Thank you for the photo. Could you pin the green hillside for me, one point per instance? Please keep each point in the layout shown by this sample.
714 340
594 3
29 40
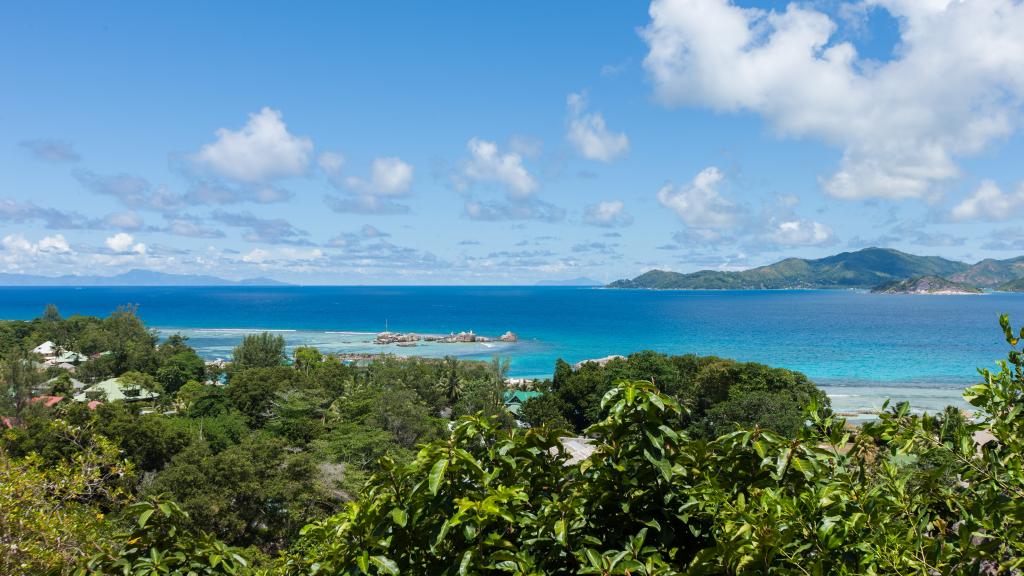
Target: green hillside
990 273
925 285
1011 286
861 269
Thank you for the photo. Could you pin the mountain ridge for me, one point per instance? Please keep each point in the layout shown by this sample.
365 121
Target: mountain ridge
865 268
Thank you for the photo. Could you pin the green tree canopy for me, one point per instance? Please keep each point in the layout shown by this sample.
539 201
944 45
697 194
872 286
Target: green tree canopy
263 350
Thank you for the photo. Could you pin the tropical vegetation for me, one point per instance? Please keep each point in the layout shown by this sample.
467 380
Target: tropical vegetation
298 463
866 268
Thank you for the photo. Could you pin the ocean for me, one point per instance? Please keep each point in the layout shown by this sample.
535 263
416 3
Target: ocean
861 348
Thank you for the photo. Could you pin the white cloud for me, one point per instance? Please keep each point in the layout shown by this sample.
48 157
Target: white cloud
256 256
123 243
259 256
388 177
301 254
608 214
19 245
799 233
954 85
699 205
589 134
56 244
488 164
988 202
262 150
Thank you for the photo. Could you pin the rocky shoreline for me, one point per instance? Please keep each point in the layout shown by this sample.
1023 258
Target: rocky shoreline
412 338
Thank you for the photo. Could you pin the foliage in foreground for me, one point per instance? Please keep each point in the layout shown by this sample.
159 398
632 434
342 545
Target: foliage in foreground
51 515
906 495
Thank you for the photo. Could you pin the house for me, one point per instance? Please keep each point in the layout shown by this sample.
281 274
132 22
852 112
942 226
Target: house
76 384
514 399
115 390
69 358
46 349
47 401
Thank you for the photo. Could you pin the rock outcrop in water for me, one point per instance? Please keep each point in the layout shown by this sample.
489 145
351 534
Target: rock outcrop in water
925 285
411 338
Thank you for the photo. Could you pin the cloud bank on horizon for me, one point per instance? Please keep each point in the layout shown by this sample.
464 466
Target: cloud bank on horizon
697 134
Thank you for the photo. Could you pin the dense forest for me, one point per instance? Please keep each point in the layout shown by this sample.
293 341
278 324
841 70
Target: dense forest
302 463
865 268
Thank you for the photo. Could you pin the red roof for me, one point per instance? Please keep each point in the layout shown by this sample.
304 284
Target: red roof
93 404
48 401
8 422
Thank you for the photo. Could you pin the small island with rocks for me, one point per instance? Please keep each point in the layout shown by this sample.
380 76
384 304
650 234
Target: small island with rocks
406 339
925 285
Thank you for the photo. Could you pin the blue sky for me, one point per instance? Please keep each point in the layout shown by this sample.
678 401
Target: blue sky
504 143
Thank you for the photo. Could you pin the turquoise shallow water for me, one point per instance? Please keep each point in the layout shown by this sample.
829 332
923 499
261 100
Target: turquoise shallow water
860 347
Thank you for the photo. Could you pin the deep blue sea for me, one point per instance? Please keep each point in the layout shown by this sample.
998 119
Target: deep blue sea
860 347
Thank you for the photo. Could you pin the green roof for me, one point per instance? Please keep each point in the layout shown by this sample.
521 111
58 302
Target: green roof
113 390
514 399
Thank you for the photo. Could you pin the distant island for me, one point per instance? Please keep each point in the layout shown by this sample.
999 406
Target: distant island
926 285
132 278
864 269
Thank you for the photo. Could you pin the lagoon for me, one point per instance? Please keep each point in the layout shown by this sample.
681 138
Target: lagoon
861 348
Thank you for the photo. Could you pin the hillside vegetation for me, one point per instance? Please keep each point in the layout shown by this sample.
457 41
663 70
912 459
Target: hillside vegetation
307 466
865 268
925 285
220 467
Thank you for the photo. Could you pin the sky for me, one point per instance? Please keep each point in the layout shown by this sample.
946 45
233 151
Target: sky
504 142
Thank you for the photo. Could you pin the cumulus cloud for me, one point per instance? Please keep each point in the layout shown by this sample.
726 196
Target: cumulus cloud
257 256
18 244
954 85
123 243
51 150
282 255
799 233
589 134
989 202
699 204
488 164
262 150
608 214
388 177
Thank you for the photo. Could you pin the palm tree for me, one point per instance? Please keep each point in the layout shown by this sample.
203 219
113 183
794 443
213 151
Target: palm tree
450 383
